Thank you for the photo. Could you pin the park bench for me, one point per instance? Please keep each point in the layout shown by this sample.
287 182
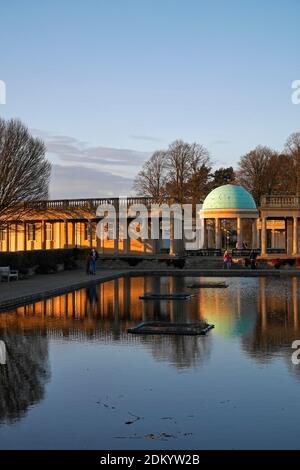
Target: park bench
7 274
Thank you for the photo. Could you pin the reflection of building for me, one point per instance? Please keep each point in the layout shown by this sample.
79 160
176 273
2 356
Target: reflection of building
105 311
277 324
262 313
181 352
229 214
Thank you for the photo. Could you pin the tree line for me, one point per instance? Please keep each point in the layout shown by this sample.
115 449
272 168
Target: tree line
185 172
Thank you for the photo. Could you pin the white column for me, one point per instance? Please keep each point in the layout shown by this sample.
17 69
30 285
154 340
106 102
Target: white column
263 236
90 225
295 235
218 233
25 236
172 242
8 237
254 235
205 235
239 230
273 243
16 236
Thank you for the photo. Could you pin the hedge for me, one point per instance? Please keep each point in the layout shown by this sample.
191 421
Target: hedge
42 261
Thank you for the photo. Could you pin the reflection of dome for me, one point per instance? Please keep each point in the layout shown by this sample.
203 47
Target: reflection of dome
229 196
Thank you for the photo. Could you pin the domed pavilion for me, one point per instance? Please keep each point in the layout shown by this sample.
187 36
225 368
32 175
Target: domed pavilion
229 203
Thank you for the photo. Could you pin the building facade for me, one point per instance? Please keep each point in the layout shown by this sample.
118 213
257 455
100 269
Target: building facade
229 219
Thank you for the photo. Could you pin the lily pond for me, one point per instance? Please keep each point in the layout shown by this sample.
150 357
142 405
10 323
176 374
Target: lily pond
71 377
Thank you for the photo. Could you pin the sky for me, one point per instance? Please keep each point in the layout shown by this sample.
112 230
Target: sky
107 82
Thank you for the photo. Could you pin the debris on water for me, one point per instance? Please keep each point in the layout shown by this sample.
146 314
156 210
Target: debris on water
136 418
160 436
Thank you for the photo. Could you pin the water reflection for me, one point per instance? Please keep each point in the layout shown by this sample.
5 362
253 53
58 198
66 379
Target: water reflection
24 370
217 388
262 312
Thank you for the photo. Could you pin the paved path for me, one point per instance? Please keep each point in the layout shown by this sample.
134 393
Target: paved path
38 287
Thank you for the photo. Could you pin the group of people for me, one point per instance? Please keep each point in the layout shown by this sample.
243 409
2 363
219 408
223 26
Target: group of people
227 259
91 262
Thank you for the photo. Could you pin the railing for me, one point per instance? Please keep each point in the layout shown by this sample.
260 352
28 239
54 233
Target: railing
244 253
205 252
90 203
285 201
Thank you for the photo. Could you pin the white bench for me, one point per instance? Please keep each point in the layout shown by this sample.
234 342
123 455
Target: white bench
7 273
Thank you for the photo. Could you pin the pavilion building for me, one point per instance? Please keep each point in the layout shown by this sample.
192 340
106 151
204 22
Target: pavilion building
230 219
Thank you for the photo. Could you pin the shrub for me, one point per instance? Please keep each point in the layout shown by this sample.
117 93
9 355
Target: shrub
42 261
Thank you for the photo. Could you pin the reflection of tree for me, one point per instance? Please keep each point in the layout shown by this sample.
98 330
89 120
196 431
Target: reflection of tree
23 378
180 351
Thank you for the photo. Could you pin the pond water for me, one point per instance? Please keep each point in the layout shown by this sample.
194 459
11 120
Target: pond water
72 378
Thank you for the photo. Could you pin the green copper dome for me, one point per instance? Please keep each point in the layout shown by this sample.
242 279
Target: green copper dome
229 196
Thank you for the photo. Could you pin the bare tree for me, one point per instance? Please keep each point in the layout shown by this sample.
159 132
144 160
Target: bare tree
198 182
188 171
24 169
179 169
259 171
181 172
292 149
151 180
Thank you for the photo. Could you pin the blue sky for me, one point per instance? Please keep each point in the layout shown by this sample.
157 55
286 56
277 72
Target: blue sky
105 83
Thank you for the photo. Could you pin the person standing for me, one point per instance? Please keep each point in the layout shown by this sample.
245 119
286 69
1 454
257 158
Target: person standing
93 258
252 257
226 260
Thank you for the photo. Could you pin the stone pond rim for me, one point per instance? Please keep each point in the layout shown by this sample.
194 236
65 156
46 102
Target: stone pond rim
229 196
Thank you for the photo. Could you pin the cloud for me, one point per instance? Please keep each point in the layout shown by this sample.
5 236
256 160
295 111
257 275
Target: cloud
81 170
79 182
68 149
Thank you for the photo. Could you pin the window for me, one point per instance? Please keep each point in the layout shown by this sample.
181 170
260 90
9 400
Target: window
49 232
31 232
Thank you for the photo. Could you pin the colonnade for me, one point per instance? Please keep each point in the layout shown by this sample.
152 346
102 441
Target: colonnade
239 230
69 233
